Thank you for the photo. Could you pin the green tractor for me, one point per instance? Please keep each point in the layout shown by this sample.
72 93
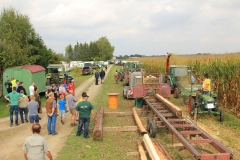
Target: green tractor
200 103
56 75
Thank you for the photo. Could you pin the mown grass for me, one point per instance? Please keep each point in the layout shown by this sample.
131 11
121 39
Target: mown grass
4 108
113 145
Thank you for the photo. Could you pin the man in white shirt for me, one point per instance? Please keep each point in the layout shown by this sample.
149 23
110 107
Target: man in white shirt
31 89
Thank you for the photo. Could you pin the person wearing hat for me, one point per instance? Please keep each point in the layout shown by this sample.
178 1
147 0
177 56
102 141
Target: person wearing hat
86 111
23 104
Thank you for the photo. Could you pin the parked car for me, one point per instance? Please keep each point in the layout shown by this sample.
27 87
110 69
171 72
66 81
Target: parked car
87 70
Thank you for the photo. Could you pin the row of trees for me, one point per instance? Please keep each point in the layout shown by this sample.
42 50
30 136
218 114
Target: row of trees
100 50
20 44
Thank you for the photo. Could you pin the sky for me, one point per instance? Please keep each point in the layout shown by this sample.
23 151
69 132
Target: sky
145 27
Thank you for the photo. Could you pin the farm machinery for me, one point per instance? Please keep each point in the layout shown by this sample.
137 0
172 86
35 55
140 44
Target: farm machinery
180 80
200 103
129 66
141 86
57 75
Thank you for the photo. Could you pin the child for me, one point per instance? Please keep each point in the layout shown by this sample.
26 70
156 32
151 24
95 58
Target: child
62 108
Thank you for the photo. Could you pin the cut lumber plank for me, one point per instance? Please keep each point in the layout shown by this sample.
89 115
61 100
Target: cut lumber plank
197 141
159 151
150 148
138 121
120 129
177 111
141 151
117 114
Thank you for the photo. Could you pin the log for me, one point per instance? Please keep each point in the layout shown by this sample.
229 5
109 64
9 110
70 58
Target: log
138 121
150 148
98 129
177 111
141 151
160 151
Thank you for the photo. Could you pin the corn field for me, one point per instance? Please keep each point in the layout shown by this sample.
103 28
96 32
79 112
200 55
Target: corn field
223 70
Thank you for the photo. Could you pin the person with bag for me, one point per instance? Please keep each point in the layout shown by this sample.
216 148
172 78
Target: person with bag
22 104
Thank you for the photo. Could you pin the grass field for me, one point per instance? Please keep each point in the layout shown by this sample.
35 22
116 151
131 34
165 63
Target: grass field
113 145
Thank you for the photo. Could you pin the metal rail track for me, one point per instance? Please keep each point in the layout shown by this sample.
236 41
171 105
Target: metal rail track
184 130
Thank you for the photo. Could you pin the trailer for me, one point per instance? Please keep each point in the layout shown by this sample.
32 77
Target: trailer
26 74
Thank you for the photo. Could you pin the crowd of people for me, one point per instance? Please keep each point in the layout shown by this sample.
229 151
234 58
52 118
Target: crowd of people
59 101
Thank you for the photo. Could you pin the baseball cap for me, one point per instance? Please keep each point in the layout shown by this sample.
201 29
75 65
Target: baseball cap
84 94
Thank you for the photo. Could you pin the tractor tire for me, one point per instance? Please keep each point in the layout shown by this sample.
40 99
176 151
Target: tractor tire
149 121
153 129
221 116
176 93
191 106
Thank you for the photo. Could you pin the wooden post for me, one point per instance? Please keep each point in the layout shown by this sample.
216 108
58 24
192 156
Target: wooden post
98 129
138 121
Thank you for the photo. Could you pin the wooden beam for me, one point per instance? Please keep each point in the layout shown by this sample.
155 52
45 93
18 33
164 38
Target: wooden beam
120 129
117 114
197 141
138 121
141 151
150 148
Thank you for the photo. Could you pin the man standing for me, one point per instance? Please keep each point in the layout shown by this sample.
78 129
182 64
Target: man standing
17 84
13 82
85 109
31 89
36 146
96 77
23 103
33 111
71 86
116 76
13 98
62 90
21 88
8 86
71 100
102 75
51 109
55 91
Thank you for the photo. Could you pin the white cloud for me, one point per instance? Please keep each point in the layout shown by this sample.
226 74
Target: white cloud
136 26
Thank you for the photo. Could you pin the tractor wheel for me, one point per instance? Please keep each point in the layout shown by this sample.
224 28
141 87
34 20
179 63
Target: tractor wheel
153 129
221 116
191 105
176 93
149 121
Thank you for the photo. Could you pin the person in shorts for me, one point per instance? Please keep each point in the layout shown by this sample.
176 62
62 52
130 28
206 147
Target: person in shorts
71 100
62 108
33 111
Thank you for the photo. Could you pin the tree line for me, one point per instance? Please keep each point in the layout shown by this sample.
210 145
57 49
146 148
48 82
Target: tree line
100 50
20 44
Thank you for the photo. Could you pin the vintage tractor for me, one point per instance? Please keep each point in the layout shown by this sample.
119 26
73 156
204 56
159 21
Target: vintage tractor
57 75
129 66
180 80
200 103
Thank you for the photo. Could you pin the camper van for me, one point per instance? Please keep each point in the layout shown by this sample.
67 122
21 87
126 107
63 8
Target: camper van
89 63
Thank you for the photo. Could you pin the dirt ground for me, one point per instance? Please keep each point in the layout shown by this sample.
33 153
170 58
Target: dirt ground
12 138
